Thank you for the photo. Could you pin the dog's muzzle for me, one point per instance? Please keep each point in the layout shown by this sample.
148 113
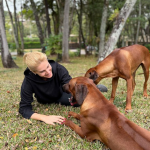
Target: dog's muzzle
72 101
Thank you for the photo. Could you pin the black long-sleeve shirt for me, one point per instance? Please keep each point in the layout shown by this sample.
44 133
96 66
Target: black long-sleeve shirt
46 91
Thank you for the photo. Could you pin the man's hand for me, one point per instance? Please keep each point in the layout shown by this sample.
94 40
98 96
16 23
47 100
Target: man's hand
52 119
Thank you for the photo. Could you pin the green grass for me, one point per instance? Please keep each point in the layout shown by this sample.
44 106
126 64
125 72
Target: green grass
21 134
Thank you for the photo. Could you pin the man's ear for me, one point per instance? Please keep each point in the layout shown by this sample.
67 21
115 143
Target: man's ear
81 92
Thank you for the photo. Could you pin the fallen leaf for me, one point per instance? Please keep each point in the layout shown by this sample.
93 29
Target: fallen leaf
58 136
29 121
34 148
27 141
14 135
35 139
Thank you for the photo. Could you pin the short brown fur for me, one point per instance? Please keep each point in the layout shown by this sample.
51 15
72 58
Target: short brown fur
123 63
101 120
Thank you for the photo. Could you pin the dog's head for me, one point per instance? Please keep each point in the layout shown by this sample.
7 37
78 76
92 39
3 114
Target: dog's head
78 87
92 74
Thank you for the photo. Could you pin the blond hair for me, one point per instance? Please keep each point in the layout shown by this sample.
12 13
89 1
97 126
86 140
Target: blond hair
33 59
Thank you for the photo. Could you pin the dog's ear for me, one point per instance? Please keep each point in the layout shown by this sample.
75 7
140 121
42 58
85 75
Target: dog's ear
93 75
80 91
65 88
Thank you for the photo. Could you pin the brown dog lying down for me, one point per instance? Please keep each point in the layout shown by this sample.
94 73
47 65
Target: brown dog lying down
123 63
101 120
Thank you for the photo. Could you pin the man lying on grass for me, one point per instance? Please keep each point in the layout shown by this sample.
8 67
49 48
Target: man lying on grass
43 78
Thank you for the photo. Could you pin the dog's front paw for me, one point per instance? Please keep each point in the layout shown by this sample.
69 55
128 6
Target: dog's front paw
71 114
67 123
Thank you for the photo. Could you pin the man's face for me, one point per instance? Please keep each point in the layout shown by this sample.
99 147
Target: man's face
44 70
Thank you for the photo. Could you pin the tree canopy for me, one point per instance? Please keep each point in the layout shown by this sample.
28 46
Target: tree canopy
42 18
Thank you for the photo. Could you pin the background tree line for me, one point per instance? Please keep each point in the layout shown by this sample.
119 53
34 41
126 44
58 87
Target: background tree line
104 24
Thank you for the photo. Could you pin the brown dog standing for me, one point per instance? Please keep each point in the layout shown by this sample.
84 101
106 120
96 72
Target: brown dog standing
101 120
123 63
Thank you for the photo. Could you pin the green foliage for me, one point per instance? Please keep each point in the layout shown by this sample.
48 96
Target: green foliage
114 15
78 52
92 40
53 44
27 45
147 46
28 13
32 45
74 39
12 47
75 54
10 39
26 39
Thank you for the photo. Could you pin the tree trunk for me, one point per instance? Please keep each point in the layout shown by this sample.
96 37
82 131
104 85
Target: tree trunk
118 26
65 42
147 29
19 52
21 29
7 60
143 35
40 32
45 33
61 4
13 27
47 18
71 20
80 26
22 32
138 27
102 31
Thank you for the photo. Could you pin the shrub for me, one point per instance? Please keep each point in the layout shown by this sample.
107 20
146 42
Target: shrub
32 45
53 44
27 45
148 46
31 40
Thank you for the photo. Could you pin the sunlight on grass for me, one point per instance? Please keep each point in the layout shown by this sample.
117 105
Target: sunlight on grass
18 133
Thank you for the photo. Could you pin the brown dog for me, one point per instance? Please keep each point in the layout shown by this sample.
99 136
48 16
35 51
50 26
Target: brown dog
123 63
101 120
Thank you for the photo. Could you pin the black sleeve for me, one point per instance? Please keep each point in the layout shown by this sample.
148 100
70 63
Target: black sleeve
25 107
63 74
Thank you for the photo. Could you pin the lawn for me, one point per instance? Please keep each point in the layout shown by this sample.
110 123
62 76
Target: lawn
18 133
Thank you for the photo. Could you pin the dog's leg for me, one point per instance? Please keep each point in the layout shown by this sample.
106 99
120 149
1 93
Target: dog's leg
114 87
146 75
73 114
133 83
129 93
74 127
